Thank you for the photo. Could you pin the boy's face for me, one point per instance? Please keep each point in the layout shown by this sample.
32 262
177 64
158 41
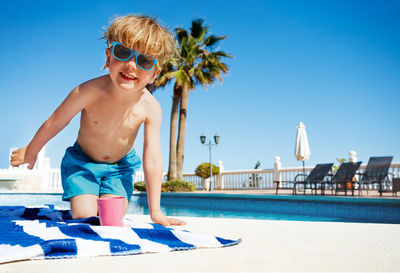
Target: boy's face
127 75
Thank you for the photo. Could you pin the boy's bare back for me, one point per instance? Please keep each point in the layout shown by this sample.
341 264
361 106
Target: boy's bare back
110 119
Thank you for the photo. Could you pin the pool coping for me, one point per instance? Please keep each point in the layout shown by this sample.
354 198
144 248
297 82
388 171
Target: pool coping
288 198
392 202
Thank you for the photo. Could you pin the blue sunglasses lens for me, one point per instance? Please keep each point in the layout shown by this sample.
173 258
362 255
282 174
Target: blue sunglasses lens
122 53
145 62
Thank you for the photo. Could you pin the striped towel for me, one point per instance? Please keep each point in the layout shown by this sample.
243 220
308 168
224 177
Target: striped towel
48 233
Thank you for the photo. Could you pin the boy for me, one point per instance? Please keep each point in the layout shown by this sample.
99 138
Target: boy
102 161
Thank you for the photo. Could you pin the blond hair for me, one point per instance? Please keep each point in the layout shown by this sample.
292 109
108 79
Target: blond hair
143 34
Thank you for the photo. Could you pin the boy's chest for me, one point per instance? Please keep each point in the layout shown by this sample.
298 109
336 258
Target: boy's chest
106 118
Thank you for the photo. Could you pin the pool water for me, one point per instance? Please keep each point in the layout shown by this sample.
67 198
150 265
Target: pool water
265 207
280 207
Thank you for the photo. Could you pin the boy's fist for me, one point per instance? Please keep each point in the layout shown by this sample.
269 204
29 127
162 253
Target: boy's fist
19 157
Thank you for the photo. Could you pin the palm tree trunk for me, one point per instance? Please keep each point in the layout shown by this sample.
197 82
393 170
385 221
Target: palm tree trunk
172 173
181 131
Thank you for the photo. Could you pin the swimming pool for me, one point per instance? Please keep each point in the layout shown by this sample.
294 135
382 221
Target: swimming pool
266 207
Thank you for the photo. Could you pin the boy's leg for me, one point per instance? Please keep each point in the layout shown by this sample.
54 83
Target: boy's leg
104 195
84 206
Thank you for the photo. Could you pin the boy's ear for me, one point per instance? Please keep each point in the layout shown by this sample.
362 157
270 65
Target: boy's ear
108 55
156 73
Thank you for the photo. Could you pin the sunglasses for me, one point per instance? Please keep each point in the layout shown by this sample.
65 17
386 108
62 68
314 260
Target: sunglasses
123 54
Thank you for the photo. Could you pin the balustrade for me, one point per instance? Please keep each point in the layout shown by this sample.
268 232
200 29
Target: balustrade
50 179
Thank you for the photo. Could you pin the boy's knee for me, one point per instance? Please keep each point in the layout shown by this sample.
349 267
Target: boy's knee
83 206
82 214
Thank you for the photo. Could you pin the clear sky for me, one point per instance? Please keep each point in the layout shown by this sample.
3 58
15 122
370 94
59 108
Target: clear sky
334 65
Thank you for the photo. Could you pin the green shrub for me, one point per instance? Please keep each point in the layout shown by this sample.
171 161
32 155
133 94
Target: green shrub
140 186
203 170
169 186
178 186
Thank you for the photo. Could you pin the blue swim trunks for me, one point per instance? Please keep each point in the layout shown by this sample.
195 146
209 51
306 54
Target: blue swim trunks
82 175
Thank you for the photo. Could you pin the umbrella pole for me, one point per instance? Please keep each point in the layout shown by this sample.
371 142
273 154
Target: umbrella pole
304 170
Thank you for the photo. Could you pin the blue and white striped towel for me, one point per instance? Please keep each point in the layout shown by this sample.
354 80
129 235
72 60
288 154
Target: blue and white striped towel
49 233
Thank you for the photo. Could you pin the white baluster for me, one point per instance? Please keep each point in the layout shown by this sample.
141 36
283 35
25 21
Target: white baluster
277 167
352 156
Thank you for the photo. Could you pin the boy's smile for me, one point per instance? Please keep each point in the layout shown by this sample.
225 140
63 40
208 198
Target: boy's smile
128 77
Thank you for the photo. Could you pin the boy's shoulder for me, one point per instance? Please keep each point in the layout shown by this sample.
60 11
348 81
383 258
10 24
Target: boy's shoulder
86 92
95 83
153 106
150 99
91 88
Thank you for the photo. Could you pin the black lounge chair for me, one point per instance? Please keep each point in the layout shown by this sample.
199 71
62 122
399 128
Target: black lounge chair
316 176
376 172
395 186
343 179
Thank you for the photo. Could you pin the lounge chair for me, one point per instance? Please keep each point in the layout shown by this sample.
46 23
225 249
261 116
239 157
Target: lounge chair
343 179
376 172
315 178
395 186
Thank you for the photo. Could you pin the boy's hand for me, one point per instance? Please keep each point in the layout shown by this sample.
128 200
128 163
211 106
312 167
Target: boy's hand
159 218
20 156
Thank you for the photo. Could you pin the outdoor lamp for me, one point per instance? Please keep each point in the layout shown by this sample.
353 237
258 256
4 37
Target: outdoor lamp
203 139
216 139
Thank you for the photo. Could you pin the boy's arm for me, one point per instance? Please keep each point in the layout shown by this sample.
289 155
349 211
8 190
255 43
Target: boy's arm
153 167
72 105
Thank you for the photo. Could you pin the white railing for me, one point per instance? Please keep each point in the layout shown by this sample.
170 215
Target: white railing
244 179
50 179
44 178
191 177
139 176
33 180
262 179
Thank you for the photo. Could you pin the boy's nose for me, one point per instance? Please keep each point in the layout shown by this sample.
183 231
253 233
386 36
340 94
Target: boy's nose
131 62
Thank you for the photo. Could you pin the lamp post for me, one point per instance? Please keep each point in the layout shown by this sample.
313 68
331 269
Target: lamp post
203 141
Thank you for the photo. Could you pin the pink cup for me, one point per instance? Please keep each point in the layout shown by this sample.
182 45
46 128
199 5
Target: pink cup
111 211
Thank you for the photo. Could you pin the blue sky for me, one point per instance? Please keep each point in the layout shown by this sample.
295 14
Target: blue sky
334 65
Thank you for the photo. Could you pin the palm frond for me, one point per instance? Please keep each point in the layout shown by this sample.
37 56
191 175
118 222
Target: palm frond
200 77
197 30
181 34
221 54
213 40
182 78
164 79
167 67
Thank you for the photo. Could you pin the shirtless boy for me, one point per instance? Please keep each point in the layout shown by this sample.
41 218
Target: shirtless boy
102 162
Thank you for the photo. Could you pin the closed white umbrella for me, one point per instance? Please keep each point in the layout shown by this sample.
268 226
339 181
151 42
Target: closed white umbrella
302 150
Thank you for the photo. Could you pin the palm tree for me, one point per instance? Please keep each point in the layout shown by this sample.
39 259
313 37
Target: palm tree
198 64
